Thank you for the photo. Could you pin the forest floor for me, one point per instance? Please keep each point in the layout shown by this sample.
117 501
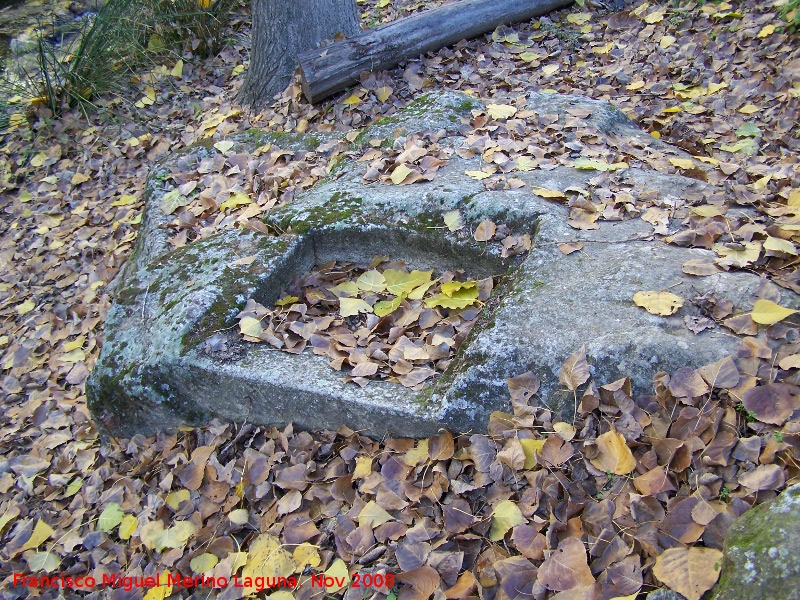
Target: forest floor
535 509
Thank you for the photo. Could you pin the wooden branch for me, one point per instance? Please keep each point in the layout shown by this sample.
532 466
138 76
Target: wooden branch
332 68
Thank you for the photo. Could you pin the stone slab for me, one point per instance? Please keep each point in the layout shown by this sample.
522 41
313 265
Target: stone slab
172 356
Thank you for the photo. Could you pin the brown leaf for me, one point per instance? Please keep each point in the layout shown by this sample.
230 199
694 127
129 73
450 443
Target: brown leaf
654 482
689 571
566 568
569 247
457 516
687 383
772 403
529 541
763 477
721 374
522 387
575 370
422 581
441 447
485 231
555 451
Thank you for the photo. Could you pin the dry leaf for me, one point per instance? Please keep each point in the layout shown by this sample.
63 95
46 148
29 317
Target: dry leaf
689 571
614 455
658 303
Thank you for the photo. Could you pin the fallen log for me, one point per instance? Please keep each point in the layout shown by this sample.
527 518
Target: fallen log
332 68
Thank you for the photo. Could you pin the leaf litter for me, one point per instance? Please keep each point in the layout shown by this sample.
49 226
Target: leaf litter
380 321
72 195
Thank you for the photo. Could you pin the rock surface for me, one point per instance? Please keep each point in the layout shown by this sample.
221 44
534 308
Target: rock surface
760 557
170 356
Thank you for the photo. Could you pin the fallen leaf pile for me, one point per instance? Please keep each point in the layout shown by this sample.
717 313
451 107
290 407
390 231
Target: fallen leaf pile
381 321
537 508
637 492
417 159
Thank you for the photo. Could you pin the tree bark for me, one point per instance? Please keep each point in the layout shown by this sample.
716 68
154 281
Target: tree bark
283 28
329 70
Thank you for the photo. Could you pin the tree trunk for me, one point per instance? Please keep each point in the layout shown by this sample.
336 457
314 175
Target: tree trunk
331 69
282 29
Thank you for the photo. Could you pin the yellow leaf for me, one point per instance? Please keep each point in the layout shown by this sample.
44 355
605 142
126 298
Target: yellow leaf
715 87
504 516
352 100
38 160
237 70
400 282
636 85
550 69
530 56
79 178
203 563
124 201
239 516
658 303
766 31
373 515
564 430
737 257
73 488
614 456
766 312
749 109
127 527
525 163
177 70
11 513
417 455
453 220
16 119
383 93
501 111
40 533
548 193
223 146
160 592
363 467
672 109
666 41
43 561
779 245
604 49
110 517
654 17
251 327
371 281
477 174
689 571
400 173
352 306
682 163
579 18
237 199
531 448
338 572
386 307
708 210
26 307
174 499
306 555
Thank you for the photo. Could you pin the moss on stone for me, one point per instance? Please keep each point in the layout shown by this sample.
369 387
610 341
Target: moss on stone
339 208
